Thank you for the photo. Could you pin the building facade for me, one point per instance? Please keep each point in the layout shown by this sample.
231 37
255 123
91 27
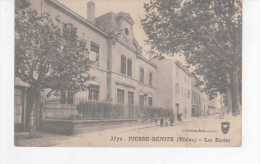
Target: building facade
122 74
200 100
196 98
21 112
174 88
204 104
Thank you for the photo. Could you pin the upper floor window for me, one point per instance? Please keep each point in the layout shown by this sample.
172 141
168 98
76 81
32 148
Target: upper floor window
69 30
177 89
93 93
151 78
94 51
129 67
142 75
126 31
123 64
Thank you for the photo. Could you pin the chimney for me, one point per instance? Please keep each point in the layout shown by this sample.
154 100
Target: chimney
91 11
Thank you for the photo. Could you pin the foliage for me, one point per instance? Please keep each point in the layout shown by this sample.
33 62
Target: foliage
48 53
207 32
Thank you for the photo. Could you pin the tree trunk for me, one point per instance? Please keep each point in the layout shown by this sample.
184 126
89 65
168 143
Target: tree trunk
34 105
236 103
229 100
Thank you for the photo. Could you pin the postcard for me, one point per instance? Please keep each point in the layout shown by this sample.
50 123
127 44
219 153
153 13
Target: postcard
128 73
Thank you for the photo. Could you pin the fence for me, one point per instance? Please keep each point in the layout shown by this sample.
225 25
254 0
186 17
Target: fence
106 111
102 111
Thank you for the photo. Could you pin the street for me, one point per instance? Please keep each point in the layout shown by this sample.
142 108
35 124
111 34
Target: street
196 132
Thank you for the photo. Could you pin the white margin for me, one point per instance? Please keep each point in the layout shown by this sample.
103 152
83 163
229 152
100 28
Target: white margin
248 153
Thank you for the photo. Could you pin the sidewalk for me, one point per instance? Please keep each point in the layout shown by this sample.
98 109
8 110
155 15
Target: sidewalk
85 138
44 139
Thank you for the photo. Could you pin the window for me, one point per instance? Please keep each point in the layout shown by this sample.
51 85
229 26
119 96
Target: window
129 67
120 96
66 97
150 101
94 51
142 75
67 28
123 64
94 47
126 31
126 66
70 97
177 89
18 106
130 98
62 97
151 78
141 100
93 94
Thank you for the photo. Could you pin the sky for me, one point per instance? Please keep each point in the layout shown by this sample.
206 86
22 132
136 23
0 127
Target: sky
133 7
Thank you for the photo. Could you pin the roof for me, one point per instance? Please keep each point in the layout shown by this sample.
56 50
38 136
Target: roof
126 16
146 60
182 67
93 26
77 16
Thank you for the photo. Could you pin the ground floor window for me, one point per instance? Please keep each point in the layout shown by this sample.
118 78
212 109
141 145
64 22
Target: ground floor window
120 96
150 101
66 97
131 98
93 93
141 100
18 106
70 97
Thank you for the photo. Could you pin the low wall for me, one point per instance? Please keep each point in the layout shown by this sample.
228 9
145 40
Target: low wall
70 127
60 111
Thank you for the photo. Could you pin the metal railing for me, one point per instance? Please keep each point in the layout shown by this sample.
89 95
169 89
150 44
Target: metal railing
92 110
107 111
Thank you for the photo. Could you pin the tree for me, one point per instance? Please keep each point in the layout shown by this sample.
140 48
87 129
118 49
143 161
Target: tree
208 33
48 56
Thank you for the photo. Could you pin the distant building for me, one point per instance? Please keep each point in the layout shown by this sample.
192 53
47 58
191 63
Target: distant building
196 98
204 104
174 87
216 105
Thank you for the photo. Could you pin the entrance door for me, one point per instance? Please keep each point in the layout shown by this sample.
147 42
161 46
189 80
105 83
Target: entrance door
19 114
131 104
177 108
179 115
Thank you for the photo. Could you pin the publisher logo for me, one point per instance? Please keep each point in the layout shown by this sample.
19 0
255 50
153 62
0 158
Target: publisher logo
225 126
